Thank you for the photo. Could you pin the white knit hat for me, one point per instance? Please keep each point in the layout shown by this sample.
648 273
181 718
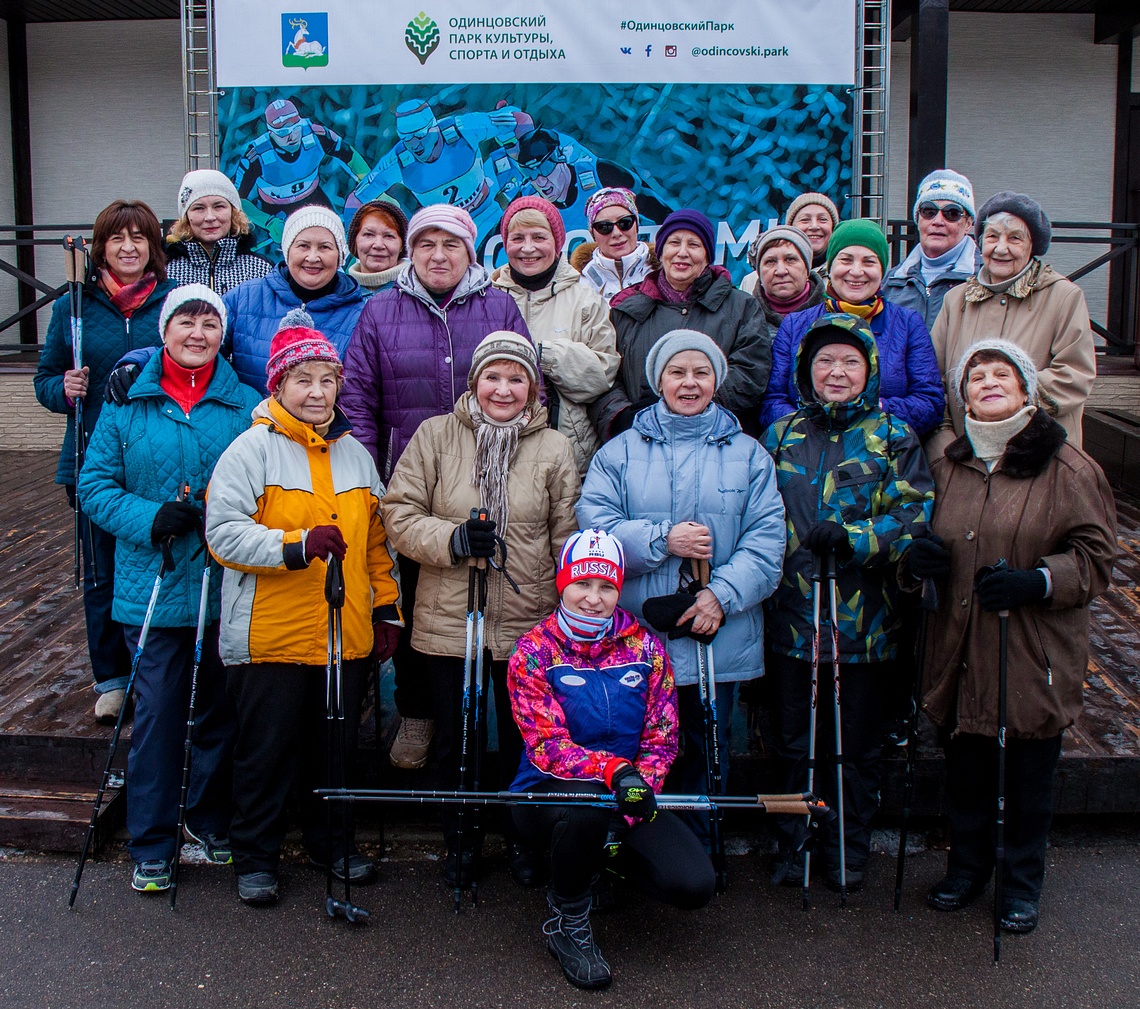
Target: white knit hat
1011 352
206 182
314 216
186 293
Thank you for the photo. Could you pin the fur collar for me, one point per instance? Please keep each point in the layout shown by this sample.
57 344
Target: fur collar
1028 452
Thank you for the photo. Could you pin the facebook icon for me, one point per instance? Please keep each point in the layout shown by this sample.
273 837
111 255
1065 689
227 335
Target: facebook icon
648 49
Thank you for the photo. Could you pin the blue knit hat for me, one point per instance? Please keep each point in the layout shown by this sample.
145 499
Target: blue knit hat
946 185
687 220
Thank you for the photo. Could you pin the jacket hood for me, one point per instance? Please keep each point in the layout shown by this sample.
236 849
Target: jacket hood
463 412
657 423
475 281
346 292
842 414
710 294
564 278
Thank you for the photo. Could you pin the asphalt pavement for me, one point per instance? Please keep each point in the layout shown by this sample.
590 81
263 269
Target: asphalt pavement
753 947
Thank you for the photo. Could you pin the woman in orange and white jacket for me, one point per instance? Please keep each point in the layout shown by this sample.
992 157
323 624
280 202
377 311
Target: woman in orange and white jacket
289 493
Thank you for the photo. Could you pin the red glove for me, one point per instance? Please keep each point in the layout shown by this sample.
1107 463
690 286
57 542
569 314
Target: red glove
324 540
385 637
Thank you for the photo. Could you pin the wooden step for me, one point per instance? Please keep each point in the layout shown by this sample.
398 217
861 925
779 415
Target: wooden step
53 816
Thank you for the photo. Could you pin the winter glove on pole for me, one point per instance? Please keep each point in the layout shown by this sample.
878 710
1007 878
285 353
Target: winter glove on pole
829 537
385 636
173 519
1011 588
928 558
474 538
324 540
634 797
119 382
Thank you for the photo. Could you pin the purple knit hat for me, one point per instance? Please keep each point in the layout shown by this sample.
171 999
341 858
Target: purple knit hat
614 196
688 220
544 207
454 220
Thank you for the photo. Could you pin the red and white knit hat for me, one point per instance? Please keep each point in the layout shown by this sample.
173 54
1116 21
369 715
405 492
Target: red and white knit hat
294 343
591 553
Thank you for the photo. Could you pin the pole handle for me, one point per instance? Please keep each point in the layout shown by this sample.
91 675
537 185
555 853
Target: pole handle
479 514
704 572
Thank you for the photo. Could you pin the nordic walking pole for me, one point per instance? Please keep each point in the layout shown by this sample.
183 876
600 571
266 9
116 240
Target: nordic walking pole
706 681
834 614
815 580
203 616
337 761
479 712
165 565
74 279
929 605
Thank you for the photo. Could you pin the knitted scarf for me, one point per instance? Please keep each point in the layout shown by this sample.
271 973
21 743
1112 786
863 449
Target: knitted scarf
127 298
785 307
496 443
989 438
865 310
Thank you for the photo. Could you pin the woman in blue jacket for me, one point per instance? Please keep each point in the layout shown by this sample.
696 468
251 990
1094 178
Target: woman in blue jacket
311 277
122 296
910 384
685 484
147 468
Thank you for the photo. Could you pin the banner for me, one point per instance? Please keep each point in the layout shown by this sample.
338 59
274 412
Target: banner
734 110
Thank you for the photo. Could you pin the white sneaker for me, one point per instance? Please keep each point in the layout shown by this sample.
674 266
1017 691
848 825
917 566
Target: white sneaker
410 747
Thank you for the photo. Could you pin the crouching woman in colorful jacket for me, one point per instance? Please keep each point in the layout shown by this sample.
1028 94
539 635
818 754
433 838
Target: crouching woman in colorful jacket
592 692
291 491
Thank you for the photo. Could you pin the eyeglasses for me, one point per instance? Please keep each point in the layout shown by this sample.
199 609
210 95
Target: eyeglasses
951 214
622 224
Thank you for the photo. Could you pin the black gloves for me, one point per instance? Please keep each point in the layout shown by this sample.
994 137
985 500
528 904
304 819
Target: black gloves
119 382
1011 588
174 518
928 558
474 538
634 797
829 538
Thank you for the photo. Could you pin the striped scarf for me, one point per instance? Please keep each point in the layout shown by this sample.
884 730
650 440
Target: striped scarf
865 310
496 443
127 298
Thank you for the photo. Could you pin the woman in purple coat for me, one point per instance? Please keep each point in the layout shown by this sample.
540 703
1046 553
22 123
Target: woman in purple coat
408 361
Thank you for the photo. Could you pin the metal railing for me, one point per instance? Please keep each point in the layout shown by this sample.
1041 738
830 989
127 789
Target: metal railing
16 236
1123 240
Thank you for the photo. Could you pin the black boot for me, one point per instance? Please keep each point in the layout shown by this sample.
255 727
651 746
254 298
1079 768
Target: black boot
570 938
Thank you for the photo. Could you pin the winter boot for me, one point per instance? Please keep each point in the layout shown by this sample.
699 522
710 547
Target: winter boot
570 938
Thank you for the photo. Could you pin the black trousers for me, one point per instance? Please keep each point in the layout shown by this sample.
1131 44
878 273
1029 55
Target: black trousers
446 673
861 719
662 858
413 681
282 740
971 803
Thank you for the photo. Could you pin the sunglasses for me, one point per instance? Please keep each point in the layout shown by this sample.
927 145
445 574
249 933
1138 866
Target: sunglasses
951 214
622 224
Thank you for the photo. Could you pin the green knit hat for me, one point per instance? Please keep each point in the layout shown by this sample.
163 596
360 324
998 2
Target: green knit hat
865 233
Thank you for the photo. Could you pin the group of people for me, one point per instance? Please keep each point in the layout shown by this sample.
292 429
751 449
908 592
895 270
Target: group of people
610 434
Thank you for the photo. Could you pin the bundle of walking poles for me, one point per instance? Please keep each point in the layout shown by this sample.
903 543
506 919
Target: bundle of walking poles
75 270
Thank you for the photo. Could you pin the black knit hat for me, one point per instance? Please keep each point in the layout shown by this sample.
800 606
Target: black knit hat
1024 207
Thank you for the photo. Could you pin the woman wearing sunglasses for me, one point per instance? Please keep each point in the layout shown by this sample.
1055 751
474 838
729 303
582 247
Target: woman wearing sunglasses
946 254
616 259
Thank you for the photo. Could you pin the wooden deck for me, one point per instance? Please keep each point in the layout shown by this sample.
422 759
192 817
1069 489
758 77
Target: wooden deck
52 752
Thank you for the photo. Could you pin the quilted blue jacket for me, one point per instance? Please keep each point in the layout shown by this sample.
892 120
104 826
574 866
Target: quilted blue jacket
139 457
910 384
107 336
255 311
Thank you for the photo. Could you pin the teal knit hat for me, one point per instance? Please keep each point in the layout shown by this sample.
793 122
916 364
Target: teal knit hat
865 233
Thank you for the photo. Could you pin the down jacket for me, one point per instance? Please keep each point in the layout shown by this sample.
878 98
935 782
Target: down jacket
1045 503
905 286
577 350
142 454
733 319
256 308
107 336
431 493
854 464
910 382
409 358
1050 323
232 262
668 469
270 487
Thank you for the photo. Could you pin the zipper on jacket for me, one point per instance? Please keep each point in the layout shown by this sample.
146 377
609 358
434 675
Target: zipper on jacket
1048 664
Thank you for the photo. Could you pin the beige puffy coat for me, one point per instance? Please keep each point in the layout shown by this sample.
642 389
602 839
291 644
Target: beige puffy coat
1051 324
577 349
431 493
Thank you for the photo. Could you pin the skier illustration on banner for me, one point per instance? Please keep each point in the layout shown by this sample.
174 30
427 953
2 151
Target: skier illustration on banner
280 170
441 161
566 173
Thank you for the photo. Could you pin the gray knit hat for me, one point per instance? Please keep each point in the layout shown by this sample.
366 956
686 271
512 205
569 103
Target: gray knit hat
806 200
314 216
780 233
1010 351
503 345
187 293
672 344
1020 205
